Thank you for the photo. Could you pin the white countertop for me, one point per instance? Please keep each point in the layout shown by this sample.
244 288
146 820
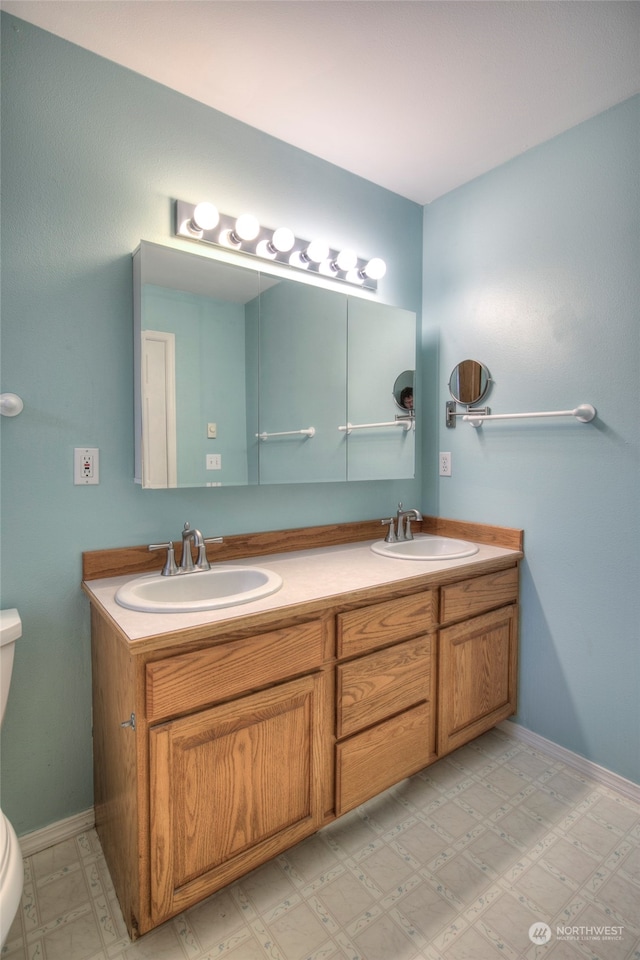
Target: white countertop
306 574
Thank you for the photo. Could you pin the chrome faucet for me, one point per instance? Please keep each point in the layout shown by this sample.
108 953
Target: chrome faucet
187 565
404 518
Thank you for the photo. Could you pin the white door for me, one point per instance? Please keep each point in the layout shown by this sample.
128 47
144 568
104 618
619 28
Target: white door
159 459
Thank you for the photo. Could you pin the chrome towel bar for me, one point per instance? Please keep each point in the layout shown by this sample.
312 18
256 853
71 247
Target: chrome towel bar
584 413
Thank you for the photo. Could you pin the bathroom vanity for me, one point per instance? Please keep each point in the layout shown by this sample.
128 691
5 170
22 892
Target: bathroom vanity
223 738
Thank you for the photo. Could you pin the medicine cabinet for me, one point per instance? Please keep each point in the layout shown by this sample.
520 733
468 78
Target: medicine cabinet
242 377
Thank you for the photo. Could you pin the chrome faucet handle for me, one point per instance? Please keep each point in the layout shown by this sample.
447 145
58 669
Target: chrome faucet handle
170 568
391 535
202 563
408 535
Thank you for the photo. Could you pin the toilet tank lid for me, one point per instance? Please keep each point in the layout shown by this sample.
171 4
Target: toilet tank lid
10 626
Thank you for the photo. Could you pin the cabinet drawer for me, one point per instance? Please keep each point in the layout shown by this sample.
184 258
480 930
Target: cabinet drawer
373 760
383 683
469 597
368 628
189 681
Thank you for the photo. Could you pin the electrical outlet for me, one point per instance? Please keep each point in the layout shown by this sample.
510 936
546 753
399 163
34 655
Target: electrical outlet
86 465
445 464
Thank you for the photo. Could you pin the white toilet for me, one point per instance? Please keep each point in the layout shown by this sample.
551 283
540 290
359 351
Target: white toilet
11 868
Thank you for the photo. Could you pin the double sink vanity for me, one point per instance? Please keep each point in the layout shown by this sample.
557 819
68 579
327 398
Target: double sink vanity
235 715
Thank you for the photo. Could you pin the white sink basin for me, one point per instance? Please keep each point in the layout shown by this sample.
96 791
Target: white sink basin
426 547
223 586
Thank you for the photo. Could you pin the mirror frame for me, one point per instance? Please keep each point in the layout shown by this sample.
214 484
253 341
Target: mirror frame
470 369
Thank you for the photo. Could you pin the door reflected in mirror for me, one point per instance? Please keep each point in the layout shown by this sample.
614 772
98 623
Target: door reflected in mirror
469 382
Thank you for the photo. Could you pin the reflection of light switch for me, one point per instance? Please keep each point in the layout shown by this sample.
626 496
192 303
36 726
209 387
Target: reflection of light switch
214 461
212 431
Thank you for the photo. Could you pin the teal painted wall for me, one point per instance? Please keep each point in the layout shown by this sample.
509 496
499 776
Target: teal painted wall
533 269
92 155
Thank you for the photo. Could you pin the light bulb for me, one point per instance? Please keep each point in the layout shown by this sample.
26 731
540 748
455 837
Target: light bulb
326 269
247 227
266 250
205 216
346 260
375 269
317 251
282 239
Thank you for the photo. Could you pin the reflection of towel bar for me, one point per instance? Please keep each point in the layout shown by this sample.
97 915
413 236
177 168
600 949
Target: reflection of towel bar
405 424
584 413
309 432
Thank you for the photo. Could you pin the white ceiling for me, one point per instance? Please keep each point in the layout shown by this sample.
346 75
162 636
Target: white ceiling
418 96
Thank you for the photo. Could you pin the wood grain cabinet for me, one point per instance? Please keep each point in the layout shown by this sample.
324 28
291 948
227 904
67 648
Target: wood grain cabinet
233 786
385 699
477 657
217 749
224 763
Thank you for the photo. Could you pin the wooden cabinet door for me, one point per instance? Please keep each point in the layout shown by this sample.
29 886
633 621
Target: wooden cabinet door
231 787
477 676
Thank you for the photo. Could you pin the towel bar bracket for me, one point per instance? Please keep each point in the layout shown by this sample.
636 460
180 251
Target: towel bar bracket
452 412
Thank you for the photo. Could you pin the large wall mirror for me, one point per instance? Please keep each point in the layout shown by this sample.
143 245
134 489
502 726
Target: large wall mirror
243 377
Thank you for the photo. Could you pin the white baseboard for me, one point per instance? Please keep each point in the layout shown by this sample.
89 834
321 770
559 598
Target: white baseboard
39 840
593 770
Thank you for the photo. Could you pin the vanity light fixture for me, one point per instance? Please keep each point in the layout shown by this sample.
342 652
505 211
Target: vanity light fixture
204 223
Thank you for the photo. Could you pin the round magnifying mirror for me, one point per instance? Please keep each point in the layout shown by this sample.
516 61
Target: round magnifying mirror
403 392
469 382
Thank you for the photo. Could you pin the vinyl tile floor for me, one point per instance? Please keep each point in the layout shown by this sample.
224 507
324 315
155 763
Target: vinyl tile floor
496 851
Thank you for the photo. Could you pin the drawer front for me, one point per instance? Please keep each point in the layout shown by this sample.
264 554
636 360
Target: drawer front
368 628
373 760
189 681
378 685
469 597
